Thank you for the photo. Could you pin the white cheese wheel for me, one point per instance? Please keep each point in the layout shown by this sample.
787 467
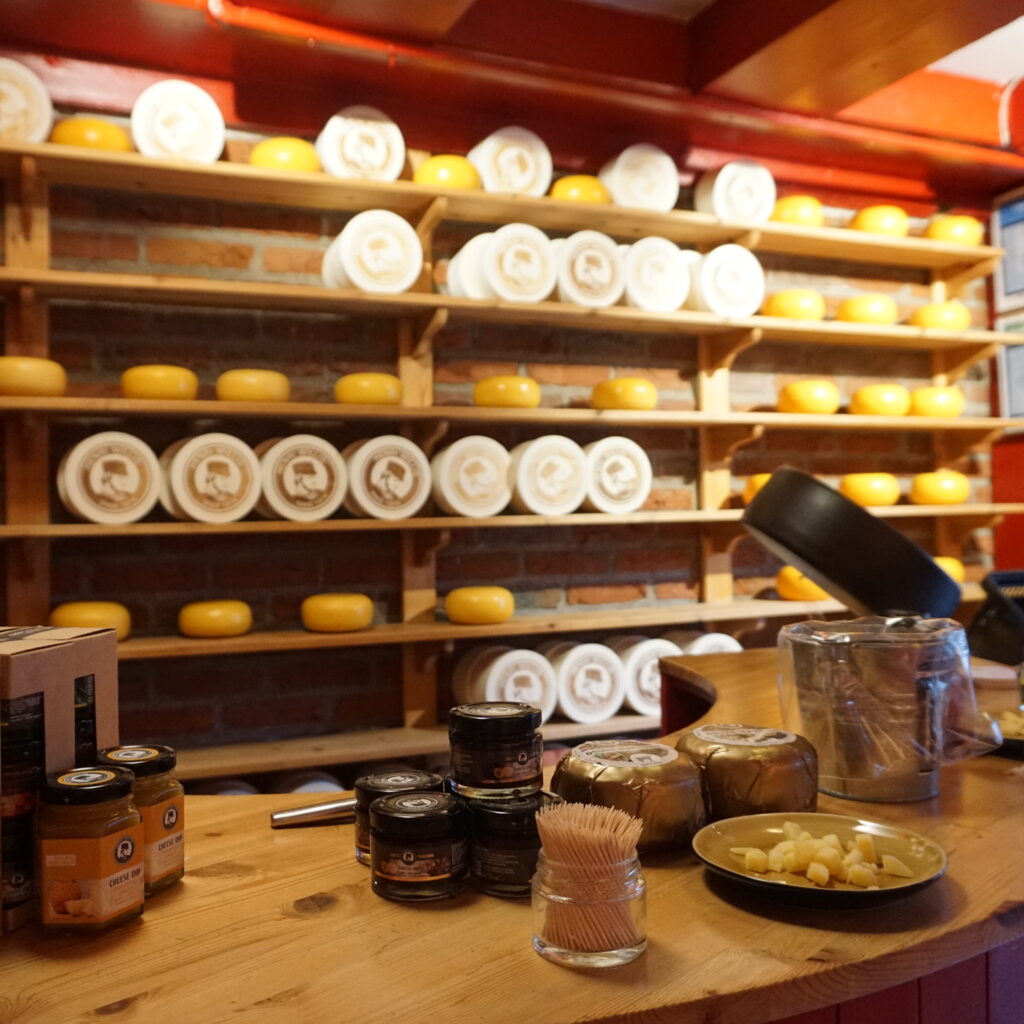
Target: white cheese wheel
713 643
741 191
178 120
361 142
506 674
728 281
590 270
466 278
548 475
657 278
111 477
642 176
388 477
619 475
303 476
518 264
591 680
212 478
470 477
513 160
640 656
377 251
26 113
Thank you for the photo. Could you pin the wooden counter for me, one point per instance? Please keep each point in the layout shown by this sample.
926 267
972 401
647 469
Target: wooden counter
282 926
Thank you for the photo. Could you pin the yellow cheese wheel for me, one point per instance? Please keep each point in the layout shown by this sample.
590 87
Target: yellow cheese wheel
624 393
158 380
479 606
336 613
253 386
792 585
93 132
943 487
509 390
285 153
368 389
795 303
93 615
951 567
215 618
580 188
29 375
753 485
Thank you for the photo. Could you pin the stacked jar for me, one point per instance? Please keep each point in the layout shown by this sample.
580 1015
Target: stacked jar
21 771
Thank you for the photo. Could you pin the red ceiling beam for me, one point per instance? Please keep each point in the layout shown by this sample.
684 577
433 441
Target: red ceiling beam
820 56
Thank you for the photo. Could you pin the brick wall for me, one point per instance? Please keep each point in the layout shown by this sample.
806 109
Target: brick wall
196 702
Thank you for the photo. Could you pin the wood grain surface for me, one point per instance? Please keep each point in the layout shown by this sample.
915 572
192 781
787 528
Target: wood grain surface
282 925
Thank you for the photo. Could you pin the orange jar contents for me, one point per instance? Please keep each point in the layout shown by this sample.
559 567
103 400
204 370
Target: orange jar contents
161 800
89 850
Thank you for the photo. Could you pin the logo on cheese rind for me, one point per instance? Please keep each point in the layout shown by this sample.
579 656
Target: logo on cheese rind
383 257
217 477
516 169
520 265
592 684
555 477
617 476
744 735
178 129
364 149
391 477
302 477
624 753
478 477
115 477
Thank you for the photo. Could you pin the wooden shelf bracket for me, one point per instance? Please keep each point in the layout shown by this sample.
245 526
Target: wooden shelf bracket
716 354
950 364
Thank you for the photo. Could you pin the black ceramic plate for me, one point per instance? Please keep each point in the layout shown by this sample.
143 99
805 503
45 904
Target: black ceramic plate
859 559
713 844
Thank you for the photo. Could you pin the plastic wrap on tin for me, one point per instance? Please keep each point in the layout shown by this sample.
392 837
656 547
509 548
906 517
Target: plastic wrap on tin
747 769
648 780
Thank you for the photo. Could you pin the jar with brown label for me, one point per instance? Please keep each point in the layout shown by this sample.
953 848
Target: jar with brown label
371 787
496 749
89 843
161 800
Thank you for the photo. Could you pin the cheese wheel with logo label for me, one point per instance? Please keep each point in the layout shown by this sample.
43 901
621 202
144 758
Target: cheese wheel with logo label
513 160
377 251
728 281
506 675
212 478
518 264
470 477
591 681
657 278
26 112
388 477
303 478
619 475
361 142
177 120
741 191
548 475
590 270
111 477
640 656
644 177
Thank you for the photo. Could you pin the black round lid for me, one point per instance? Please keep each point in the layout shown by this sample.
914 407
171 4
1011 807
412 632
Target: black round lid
143 760
495 720
419 814
859 559
515 816
94 785
368 788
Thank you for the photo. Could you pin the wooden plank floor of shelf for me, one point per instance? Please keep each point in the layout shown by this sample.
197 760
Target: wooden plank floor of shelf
367 745
231 182
199 291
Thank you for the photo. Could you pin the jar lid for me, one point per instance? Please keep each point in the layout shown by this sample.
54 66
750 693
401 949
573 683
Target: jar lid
371 787
24 754
514 816
143 761
495 720
88 786
417 814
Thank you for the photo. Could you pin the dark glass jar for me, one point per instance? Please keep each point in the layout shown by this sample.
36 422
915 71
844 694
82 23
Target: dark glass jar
503 843
160 798
90 863
21 719
418 846
21 773
496 749
368 788
16 861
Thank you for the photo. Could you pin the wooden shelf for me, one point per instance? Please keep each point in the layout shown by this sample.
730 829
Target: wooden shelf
370 745
103 407
131 172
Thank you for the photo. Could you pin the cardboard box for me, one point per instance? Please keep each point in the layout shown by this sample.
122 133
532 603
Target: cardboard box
48 661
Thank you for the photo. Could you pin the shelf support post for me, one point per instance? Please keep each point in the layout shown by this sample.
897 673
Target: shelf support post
716 353
717 544
419 603
718 444
950 364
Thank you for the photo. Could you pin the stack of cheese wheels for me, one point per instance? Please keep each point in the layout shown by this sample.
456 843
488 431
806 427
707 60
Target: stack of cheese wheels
619 475
177 120
640 656
470 477
644 177
361 142
657 277
548 475
495 672
591 680
110 477
388 477
590 270
304 478
728 281
742 192
210 478
26 113
513 160
695 641
377 251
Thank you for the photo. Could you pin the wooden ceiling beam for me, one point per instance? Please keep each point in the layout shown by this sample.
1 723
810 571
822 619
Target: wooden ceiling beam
820 56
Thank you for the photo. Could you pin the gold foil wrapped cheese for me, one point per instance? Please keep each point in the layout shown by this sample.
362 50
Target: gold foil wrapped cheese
747 769
649 780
